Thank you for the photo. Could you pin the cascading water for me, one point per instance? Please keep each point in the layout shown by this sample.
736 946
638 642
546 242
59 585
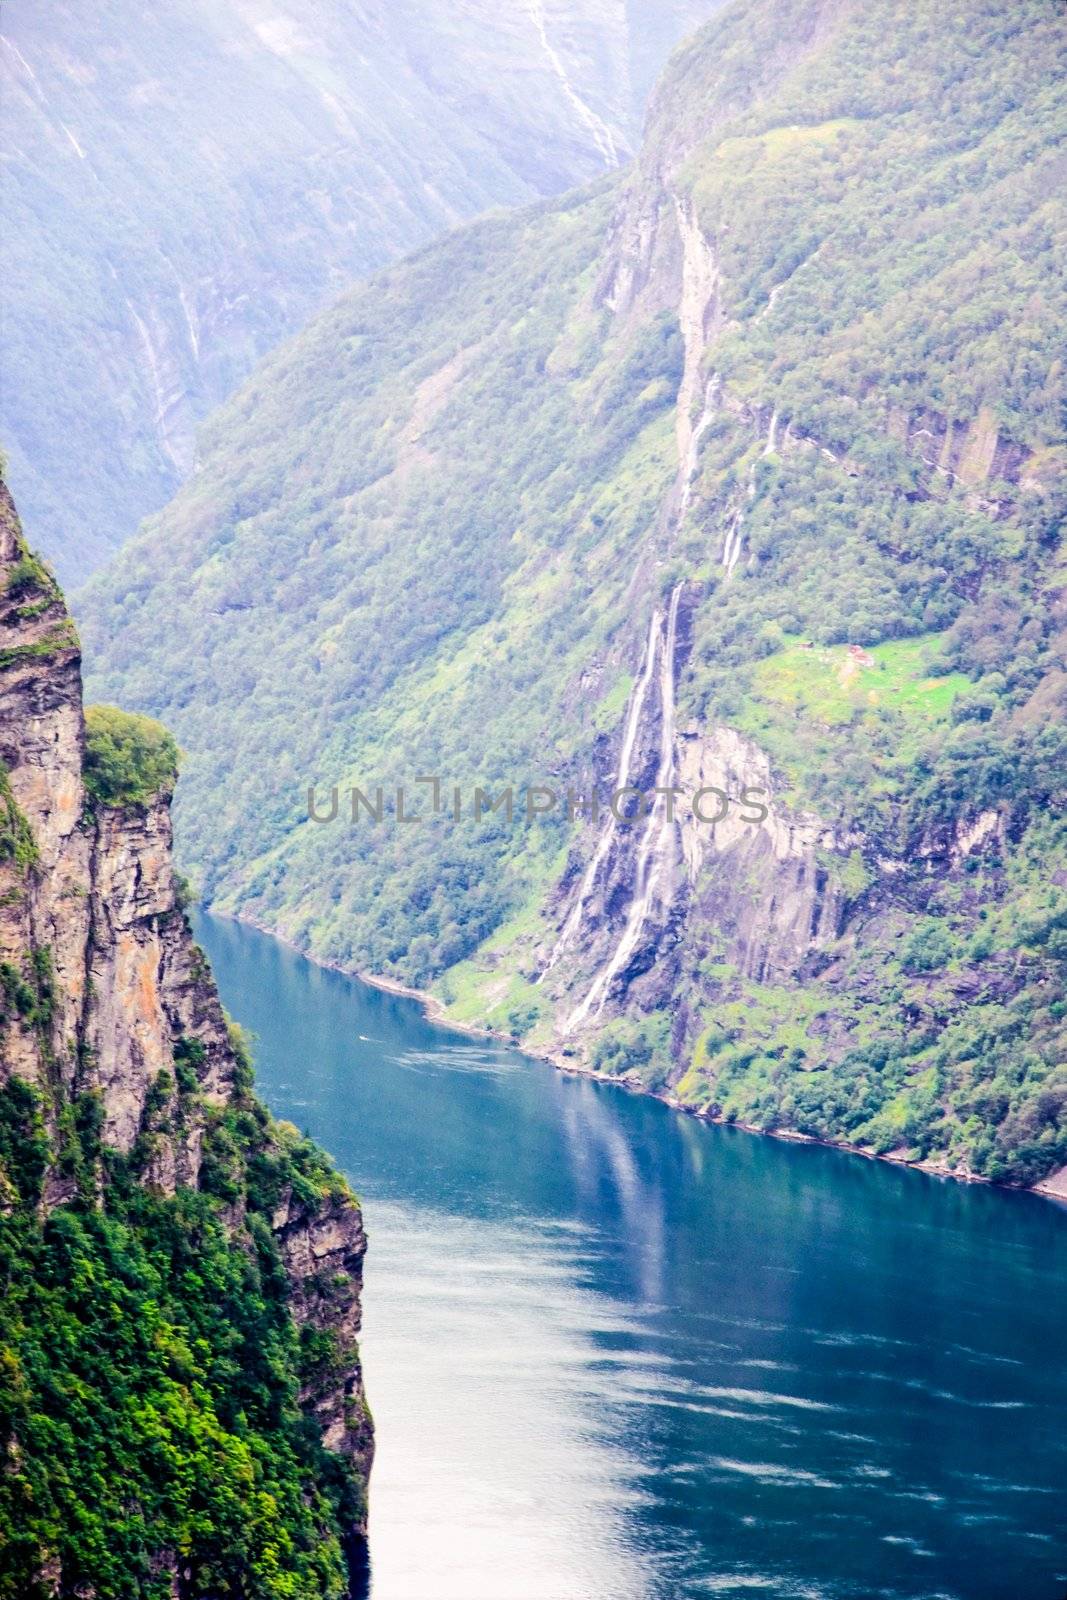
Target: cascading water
622 779
734 540
612 148
698 314
656 851
163 400
692 462
731 549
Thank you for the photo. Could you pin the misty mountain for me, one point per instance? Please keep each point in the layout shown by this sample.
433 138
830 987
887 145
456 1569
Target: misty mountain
185 184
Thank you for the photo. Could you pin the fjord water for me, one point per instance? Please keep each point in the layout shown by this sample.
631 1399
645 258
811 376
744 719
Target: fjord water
614 1354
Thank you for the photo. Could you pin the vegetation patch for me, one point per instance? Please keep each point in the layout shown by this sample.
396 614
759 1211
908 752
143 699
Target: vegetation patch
17 844
129 759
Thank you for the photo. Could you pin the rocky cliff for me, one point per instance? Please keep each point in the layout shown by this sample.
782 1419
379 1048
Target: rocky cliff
110 1016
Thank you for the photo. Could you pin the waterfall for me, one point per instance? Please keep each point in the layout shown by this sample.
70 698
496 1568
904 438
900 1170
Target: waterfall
698 314
163 400
689 472
75 146
707 417
734 540
731 550
622 779
192 322
24 64
699 317
772 301
656 850
603 137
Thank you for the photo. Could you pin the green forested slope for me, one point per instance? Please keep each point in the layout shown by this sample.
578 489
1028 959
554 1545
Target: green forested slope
429 535
150 1373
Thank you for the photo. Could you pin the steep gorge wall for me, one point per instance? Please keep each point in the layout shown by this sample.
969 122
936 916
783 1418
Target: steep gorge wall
107 1001
100 895
643 881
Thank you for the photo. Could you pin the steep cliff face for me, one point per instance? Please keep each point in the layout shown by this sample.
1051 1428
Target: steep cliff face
718 847
98 900
760 935
109 1015
41 735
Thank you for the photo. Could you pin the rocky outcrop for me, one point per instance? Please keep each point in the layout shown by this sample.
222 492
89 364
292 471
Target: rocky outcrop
92 916
728 853
106 997
758 867
1054 1185
44 880
147 982
322 1252
647 258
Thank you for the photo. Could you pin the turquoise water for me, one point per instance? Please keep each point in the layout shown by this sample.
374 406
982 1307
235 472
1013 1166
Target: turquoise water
614 1354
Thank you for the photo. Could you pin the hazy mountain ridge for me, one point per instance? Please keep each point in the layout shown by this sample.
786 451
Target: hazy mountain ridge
184 187
745 471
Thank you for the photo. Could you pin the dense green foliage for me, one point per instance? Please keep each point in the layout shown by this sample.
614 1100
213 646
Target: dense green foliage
919 282
427 537
150 1369
129 759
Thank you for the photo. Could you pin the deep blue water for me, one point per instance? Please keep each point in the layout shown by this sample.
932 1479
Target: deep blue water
614 1354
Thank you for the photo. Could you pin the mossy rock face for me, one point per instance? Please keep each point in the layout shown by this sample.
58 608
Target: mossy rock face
17 843
129 759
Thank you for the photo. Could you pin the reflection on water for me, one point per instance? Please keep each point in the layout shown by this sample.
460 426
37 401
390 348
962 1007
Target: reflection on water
507 1452
616 1355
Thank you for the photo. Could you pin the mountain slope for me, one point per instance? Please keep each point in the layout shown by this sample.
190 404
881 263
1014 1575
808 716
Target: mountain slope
181 1402
186 184
744 472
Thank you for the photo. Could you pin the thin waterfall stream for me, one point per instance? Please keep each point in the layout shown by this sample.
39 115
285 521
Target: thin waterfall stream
658 839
